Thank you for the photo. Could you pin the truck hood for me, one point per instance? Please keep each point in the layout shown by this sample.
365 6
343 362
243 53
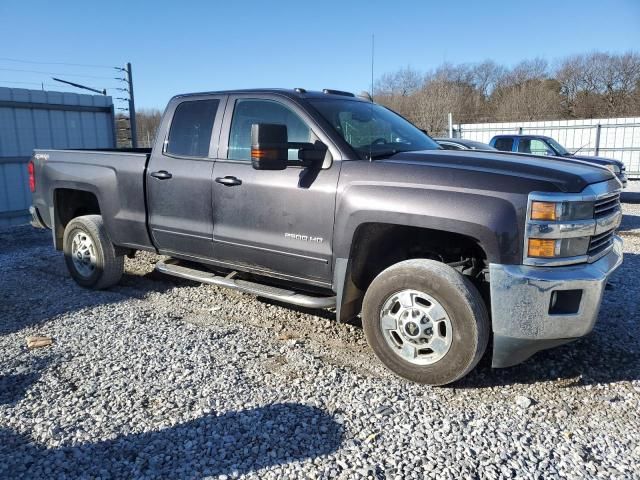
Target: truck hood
567 174
597 160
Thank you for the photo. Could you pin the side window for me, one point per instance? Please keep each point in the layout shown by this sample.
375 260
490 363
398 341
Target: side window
191 126
524 145
534 146
505 144
539 147
250 111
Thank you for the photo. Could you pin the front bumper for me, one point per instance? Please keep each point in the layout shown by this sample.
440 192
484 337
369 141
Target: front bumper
534 308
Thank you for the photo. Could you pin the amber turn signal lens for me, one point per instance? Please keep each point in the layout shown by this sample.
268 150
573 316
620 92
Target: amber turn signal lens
539 247
266 153
543 211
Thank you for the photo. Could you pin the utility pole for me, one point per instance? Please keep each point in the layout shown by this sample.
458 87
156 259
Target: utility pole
132 105
132 109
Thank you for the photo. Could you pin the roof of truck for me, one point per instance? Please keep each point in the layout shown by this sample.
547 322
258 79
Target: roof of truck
520 135
289 92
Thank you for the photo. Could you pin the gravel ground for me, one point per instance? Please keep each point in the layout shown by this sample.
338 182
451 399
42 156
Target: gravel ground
160 377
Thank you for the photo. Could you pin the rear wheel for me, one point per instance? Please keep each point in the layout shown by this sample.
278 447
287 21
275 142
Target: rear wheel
89 254
425 321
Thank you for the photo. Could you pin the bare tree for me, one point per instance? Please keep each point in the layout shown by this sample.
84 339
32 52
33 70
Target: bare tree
486 76
580 86
148 121
431 105
402 83
531 100
600 84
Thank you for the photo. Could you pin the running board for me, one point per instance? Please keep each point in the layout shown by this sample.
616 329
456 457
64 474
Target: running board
173 267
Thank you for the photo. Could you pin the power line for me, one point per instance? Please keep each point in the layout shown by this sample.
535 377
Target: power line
55 73
46 84
55 63
27 83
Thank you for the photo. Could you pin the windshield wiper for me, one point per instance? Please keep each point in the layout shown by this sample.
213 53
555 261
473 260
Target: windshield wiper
387 153
379 155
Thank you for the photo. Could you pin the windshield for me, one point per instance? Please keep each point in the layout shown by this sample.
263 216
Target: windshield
372 130
560 150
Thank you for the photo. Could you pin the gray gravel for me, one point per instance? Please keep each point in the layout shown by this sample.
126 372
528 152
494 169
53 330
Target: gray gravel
162 378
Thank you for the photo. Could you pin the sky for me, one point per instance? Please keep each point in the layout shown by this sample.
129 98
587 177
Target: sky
190 46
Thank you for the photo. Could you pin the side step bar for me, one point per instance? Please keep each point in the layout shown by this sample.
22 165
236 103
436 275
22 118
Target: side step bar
173 267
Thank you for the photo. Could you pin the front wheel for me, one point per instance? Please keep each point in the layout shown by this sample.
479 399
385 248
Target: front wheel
89 254
425 321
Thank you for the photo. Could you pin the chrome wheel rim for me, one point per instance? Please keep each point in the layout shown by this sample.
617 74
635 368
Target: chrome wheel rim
83 254
416 327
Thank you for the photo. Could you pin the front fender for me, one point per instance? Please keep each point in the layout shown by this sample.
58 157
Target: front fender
491 219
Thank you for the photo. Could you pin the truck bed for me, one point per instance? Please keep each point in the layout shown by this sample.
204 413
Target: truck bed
115 177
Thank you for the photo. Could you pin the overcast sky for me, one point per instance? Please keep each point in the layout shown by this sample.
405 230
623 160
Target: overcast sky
183 46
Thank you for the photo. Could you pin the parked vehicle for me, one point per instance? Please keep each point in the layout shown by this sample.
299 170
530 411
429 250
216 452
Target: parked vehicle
321 199
462 144
541 145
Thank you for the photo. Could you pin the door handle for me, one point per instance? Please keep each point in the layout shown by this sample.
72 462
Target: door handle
161 175
229 181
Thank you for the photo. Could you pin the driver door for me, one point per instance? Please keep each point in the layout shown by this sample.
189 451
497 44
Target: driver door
534 146
275 222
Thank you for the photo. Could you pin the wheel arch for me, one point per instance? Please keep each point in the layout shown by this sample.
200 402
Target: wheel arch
376 246
69 203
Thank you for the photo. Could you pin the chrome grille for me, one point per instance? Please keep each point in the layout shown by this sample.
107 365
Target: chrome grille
599 243
603 241
605 206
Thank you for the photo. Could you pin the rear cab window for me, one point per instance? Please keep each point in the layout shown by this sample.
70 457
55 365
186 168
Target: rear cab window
191 127
504 143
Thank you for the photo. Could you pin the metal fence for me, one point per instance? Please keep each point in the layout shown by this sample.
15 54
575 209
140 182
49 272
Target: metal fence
609 137
39 119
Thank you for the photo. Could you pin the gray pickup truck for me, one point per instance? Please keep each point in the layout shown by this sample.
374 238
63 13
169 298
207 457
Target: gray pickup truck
325 200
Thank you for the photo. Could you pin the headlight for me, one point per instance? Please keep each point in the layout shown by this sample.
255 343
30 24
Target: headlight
544 210
561 211
564 229
613 168
543 248
558 248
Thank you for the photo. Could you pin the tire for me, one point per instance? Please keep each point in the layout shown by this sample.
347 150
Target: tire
458 331
92 261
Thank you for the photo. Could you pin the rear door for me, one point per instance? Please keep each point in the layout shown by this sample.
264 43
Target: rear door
179 179
276 222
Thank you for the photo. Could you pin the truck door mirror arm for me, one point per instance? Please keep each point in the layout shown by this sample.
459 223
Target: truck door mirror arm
310 154
270 149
